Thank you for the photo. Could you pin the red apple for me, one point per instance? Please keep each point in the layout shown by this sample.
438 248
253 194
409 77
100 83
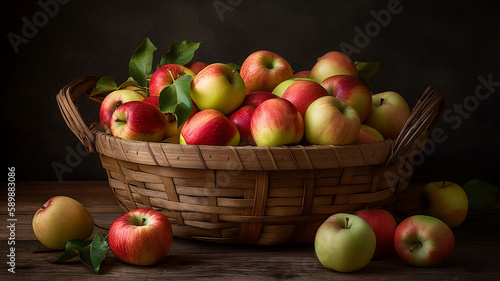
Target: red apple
241 119
264 70
333 63
196 66
281 88
220 87
352 91
138 120
302 74
331 82
209 127
368 134
114 100
256 98
389 114
162 77
302 93
276 122
423 241
384 225
141 237
330 121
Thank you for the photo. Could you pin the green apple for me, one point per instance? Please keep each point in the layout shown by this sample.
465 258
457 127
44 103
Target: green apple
281 88
61 219
446 201
389 113
345 243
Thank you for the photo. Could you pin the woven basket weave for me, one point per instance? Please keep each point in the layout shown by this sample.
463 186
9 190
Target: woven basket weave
251 194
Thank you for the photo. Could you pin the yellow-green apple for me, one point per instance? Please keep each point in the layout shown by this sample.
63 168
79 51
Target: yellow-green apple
368 134
209 127
171 129
220 87
241 119
141 237
383 225
344 242
446 201
333 63
264 70
138 120
354 92
276 122
303 93
196 66
302 74
389 113
423 241
165 75
256 98
281 88
61 219
329 120
114 100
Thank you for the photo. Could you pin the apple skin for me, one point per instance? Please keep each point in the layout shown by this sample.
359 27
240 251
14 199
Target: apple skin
330 121
241 119
446 201
263 70
341 248
423 241
61 219
303 93
389 113
141 237
220 87
276 122
302 74
333 63
256 98
138 120
383 225
331 82
368 134
162 77
114 100
171 128
281 88
196 66
209 127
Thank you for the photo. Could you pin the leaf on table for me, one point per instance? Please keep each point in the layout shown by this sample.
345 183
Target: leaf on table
481 194
180 53
177 99
141 62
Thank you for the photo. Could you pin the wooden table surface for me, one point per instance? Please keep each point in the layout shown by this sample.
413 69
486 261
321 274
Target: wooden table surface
476 255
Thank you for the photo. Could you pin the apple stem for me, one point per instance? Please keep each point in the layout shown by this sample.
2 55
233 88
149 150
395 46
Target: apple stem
444 182
43 207
381 101
143 220
417 244
346 222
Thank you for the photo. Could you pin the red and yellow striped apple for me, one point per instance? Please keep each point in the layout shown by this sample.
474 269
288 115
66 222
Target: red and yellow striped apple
256 98
333 63
281 88
162 77
264 70
302 74
114 100
276 122
209 127
389 113
368 134
196 66
241 119
302 93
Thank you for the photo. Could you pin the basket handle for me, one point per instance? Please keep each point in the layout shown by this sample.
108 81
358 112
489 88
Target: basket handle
423 117
65 99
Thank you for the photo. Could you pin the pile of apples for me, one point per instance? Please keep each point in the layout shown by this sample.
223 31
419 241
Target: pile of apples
260 103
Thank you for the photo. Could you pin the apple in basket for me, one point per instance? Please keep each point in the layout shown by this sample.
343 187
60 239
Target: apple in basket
264 70
220 87
344 242
330 121
333 63
368 134
302 74
446 201
162 77
138 120
256 98
141 237
61 219
389 113
241 119
209 127
383 225
114 100
281 88
276 122
302 93
196 66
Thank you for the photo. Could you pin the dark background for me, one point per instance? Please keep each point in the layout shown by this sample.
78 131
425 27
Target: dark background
447 44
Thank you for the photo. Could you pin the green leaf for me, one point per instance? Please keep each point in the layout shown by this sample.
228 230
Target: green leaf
177 99
481 194
235 66
367 70
179 53
104 86
141 62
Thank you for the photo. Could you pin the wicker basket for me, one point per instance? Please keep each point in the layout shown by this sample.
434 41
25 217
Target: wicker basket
250 194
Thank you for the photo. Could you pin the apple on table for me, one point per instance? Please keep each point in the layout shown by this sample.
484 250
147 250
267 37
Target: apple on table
383 225
389 114
333 63
446 201
164 76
